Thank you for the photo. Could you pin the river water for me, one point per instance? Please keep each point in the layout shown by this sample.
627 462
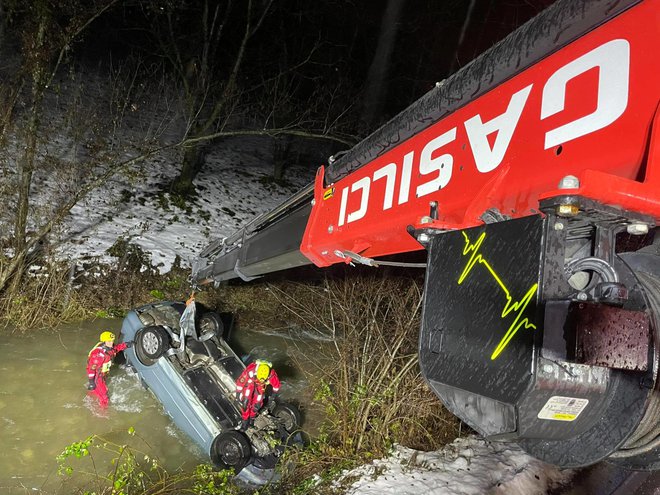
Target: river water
44 404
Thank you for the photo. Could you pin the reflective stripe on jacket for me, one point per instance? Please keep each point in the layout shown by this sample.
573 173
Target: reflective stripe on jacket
100 358
252 389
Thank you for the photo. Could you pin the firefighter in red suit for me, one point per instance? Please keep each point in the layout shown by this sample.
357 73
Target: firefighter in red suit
99 361
251 389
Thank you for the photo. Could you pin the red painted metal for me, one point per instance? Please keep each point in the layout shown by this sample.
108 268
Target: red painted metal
511 147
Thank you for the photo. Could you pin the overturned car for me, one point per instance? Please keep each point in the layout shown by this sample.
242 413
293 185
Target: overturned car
193 374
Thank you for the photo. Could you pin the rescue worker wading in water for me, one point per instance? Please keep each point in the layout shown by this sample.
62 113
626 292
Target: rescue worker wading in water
251 389
99 361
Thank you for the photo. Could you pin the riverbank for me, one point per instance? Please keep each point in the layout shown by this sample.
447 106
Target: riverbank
331 316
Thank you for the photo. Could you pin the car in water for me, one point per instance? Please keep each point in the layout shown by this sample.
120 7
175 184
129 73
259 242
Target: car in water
193 374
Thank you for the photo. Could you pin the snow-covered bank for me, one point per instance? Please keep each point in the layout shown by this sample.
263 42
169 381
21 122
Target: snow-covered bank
233 187
468 466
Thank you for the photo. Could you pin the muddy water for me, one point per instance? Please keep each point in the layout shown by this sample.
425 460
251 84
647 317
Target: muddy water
44 404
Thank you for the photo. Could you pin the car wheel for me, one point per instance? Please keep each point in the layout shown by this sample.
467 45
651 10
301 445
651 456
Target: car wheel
289 415
150 344
210 325
231 449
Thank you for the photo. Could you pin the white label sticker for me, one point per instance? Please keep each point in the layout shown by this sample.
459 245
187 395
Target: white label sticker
563 408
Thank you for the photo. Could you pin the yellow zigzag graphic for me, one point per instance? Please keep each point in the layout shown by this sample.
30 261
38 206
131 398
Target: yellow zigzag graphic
517 307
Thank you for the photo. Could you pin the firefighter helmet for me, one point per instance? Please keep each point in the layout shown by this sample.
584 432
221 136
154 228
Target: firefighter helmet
263 369
107 336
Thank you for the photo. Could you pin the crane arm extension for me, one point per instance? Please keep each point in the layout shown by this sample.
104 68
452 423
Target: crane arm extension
489 140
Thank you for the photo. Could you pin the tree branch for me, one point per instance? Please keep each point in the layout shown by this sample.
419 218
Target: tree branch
270 133
64 210
72 36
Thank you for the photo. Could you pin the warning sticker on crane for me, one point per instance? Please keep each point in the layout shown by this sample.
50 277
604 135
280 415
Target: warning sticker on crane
328 193
562 408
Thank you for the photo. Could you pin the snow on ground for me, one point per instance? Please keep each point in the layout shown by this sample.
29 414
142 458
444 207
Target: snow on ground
232 187
468 466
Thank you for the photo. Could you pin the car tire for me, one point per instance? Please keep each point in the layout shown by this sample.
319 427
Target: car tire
290 416
231 449
209 325
150 344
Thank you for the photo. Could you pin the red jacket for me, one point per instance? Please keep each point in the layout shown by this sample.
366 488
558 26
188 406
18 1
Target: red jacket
252 389
100 358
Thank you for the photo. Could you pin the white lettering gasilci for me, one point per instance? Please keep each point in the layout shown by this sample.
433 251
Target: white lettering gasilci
431 162
560 408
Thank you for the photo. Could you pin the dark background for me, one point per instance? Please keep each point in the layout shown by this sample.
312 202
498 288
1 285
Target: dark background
312 78
326 42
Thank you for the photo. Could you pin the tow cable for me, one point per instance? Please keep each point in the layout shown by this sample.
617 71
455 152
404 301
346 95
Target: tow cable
351 257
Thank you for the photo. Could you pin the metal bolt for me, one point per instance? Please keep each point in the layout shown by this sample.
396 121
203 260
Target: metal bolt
331 229
423 237
313 202
582 296
569 182
567 210
548 368
559 226
637 228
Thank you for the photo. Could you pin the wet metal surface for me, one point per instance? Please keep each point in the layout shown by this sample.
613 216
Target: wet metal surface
611 337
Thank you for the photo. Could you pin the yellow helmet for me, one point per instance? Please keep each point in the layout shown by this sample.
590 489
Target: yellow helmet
263 369
106 336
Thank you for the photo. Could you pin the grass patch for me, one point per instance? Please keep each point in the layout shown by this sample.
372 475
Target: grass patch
59 295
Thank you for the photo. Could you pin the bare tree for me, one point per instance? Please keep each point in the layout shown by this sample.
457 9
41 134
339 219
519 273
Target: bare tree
45 44
69 133
230 83
205 69
289 114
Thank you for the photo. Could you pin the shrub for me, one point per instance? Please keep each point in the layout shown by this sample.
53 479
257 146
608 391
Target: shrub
130 256
122 469
368 380
43 299
157 294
